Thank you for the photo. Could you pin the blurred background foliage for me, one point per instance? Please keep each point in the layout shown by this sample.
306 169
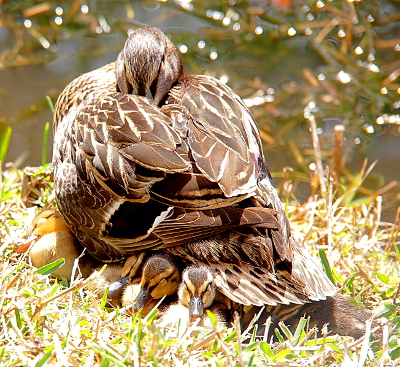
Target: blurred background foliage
291 61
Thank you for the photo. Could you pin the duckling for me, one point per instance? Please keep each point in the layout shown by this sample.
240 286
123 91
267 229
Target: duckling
160 278
51 240
106 279
197 292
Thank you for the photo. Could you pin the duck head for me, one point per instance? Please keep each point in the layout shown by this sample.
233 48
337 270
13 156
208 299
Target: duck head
148 62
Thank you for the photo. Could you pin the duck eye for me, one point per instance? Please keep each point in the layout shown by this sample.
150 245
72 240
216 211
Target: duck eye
162 281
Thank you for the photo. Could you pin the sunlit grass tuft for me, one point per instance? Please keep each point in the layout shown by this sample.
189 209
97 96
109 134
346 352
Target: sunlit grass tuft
49 322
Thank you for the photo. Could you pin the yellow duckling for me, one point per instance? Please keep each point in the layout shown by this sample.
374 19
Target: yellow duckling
51 240
197 292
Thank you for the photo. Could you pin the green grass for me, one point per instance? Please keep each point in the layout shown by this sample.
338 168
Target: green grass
48 322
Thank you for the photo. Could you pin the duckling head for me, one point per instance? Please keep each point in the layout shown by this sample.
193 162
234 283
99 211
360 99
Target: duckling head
148 62
46 222
197 290
160 277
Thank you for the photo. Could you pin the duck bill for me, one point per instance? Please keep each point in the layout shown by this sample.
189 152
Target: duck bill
23 247
196 307
115 290
142 299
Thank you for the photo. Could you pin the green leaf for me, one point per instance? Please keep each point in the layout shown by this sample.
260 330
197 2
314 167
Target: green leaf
18 318
266 349
325 265
335 347
152 315
50 103
397 250
251 359
299 331
45 141
50 268
108 355
395 353
386 310
5 142
383 278
104 300
396 322
64 282
286 330
44 359
231 336
254 334
2 353
250 347
281 355
279 336
212 317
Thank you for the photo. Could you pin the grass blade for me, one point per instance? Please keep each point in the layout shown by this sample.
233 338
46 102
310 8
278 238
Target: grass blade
44 359
325 264
45 141
50 103
50 268
5 142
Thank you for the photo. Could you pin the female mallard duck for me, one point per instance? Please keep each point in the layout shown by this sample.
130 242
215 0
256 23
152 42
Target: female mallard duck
183 172
52 240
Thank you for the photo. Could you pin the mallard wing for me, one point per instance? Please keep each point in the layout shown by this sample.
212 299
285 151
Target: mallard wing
225 146
221 133
126 180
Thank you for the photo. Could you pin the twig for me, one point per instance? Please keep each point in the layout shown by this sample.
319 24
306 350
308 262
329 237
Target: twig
317 149
236 324
79 284
204 342
338 153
